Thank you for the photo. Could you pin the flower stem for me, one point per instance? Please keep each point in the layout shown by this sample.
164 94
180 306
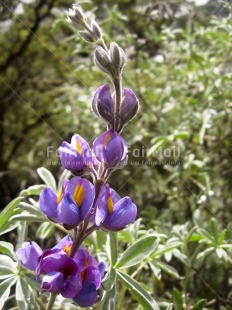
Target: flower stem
117 81
51 301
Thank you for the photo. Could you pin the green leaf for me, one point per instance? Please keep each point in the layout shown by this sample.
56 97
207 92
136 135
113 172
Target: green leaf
6 214
47 177
168 269
28 217
178 301
33 190
45 230
156 270
6 247
199 305
222 236
5 289
32 209
214 228
108 301
113 248
65 175
138 251
166 248
138 292
7 267
24 296
110 280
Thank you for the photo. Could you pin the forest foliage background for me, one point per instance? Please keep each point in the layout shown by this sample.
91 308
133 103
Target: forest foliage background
179 169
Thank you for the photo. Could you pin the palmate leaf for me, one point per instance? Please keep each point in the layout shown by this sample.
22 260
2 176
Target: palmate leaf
7 267
5 287
24 296
138 251
138 292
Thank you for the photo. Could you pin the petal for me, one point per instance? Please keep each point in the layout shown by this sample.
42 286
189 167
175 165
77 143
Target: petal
84 259
68 211
102 268
83 193
92 274
87 296
129 106
70 158
102 104
48 203
52 282
72 285
63 242
101 207
58 262
124 213
29 254
82 147
109 147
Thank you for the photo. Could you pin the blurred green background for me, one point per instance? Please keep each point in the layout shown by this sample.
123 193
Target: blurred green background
179 65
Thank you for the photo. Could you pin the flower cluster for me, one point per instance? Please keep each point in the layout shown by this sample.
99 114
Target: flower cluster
78 278
82 205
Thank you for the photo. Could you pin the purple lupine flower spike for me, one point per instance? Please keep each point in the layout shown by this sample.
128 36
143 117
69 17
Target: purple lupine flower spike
76 156
102 104
29 254
112 212
76 202
110 149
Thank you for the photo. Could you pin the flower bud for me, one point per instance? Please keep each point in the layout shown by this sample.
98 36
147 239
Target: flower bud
96 30
102 60
110 149
102 103
75 16
129 106
117 56
86 36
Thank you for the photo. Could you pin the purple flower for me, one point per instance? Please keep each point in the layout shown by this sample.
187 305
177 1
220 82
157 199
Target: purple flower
91 276
112 212
29 254
77 156
103 104
77 278
62 274
72 204
110 149
76 202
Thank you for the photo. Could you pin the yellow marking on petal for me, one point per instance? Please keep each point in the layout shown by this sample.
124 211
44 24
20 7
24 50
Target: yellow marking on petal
78 194
110 205
107 138
67 248
79 147
59 196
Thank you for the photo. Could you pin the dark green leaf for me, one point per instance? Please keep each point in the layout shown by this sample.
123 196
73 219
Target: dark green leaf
138 251
138 292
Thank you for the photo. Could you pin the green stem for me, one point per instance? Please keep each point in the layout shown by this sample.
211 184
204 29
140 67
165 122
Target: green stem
51 301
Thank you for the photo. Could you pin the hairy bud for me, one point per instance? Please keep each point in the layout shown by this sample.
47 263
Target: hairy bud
102 60
75 16
117 56
86 36
96 30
